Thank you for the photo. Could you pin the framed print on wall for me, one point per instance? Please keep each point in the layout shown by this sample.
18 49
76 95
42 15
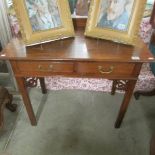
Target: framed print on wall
43 20
116 20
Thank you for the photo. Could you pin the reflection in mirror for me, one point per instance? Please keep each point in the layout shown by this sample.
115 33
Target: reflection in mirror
43 14
115 14
79 7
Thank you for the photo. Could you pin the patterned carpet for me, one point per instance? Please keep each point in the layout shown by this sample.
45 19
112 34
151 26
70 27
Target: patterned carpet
146 81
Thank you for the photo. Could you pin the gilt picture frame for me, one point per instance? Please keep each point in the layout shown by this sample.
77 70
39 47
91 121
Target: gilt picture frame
115 20
43 20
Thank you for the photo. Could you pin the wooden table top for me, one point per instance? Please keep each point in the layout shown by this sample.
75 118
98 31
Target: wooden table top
78 49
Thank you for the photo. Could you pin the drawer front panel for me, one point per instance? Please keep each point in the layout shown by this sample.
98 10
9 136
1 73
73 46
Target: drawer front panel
45 66
108 69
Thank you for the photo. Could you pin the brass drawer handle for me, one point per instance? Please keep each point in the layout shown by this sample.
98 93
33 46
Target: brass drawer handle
103 71
40 68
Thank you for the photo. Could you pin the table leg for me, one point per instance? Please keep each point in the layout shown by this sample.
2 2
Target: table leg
113 90
26 99
42 84
125 103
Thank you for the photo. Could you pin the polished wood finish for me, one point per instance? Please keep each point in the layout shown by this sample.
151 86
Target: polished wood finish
125 103
128 93
113 90
43 86
77 57
77 49
43 67
108 69
26 99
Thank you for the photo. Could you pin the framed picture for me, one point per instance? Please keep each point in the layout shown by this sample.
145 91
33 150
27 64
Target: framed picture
43 20
116 20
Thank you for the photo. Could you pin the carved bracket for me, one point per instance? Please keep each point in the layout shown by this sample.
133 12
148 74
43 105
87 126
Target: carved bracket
31 81
119 85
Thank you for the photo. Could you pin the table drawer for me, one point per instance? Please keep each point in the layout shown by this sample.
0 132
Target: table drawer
108 69
45 66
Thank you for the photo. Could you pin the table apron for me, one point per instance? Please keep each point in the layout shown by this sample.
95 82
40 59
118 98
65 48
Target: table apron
84 69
